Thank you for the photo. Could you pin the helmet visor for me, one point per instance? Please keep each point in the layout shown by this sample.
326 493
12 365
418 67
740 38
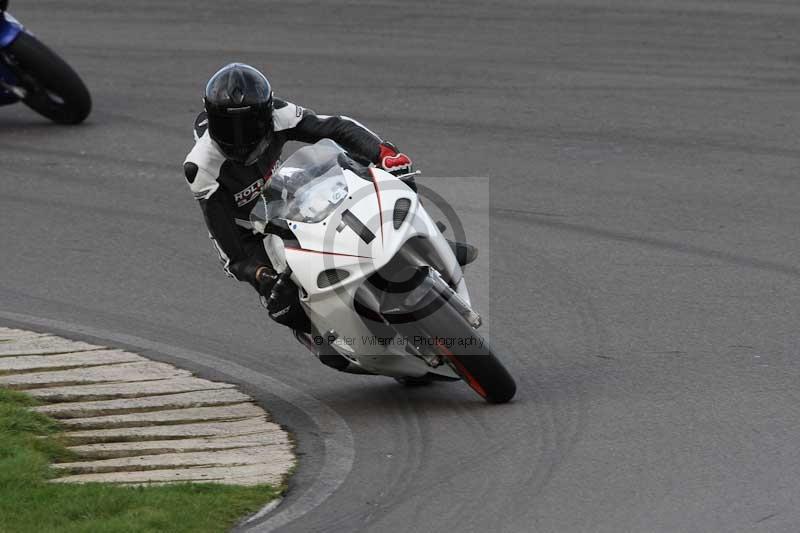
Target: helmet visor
237 129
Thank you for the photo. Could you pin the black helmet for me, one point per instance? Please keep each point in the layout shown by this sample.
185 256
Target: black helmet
238 100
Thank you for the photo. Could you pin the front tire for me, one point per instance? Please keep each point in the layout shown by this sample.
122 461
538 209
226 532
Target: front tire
55 91
465 350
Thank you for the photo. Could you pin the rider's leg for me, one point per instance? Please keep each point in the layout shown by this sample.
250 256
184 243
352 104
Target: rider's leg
290 312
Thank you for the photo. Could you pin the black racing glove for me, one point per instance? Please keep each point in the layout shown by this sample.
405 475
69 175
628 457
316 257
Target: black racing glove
283 304
262 277
265 280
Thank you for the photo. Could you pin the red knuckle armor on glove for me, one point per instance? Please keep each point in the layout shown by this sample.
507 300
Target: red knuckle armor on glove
393 161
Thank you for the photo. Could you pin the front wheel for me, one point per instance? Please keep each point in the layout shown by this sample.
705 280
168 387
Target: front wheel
448 334
54 89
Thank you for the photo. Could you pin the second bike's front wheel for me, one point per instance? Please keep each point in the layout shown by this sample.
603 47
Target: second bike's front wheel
54 90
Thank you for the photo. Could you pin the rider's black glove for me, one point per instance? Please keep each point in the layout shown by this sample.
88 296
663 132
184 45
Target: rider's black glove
265 280
283 304
256 273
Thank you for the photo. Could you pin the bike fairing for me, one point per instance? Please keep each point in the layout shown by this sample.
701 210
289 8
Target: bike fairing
10 28
406 286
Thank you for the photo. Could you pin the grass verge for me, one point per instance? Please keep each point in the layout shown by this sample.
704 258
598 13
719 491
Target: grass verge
28 503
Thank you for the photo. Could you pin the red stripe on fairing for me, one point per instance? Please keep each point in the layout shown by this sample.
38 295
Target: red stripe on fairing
325 253
378 194
469 378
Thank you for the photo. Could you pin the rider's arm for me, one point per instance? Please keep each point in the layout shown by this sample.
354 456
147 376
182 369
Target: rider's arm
219 217
220 222
201 169
306 126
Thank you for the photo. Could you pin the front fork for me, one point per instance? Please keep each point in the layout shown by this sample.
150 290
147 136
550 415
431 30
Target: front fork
403 306
423 292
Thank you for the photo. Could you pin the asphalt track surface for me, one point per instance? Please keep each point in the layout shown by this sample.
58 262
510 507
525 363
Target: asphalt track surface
644 268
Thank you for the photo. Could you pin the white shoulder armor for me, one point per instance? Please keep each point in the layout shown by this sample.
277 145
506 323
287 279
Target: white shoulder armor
209 159
286 115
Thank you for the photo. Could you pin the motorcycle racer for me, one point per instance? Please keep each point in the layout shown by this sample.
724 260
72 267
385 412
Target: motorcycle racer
238 142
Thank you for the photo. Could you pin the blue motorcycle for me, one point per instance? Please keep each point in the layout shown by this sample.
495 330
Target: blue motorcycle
32 73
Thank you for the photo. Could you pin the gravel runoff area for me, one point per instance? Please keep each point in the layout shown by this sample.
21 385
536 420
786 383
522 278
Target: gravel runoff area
132 420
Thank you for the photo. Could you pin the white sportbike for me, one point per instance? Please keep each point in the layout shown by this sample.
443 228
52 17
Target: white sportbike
382 287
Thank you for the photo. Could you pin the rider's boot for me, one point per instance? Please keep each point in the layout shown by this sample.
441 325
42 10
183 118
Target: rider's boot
465 253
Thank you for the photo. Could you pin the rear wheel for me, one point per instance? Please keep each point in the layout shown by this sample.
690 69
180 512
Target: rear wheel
54 89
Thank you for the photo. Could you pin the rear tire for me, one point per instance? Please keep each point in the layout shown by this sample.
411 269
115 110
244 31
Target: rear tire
58 92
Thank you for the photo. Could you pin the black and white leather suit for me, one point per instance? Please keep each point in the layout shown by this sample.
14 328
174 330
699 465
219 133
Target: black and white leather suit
227 190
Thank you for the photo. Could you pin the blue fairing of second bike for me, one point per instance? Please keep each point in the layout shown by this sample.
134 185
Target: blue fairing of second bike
10 29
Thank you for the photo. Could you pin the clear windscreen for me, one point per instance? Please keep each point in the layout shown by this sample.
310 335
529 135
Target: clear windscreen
308 186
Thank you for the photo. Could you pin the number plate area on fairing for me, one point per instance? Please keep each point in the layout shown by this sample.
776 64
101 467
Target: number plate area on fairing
336 242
